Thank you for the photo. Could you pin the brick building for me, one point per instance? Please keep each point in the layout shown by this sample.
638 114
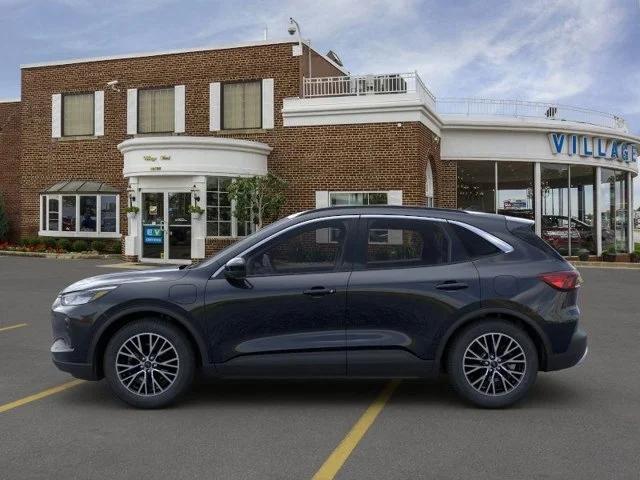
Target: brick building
162 131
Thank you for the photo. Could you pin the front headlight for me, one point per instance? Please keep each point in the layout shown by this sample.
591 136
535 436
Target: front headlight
84 296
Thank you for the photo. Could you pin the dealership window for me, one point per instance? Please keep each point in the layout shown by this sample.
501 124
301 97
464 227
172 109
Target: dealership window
477 186
78 215
156 110
581 207
220 219
515 189
337 199
614 210
78 114
242 105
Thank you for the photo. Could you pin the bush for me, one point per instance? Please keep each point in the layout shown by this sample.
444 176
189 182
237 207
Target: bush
64 244
49 242
99 246
79 246
4 221
115 248
29 241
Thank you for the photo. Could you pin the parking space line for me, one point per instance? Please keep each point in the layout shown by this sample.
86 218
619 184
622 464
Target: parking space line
334 463
19 325
37 396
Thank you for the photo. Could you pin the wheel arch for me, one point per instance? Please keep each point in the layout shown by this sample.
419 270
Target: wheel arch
534 331
123 316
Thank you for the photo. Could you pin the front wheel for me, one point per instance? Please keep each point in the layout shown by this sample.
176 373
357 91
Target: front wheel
493 364
149 363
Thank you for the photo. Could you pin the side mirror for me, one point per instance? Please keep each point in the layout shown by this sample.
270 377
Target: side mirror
235 269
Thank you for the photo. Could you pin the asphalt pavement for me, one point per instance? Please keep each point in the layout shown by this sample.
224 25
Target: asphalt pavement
581 423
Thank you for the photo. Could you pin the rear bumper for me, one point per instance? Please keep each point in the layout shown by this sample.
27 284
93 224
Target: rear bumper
78 370
576 352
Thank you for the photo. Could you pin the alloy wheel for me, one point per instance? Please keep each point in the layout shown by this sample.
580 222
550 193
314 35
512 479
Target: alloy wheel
494 364
147 364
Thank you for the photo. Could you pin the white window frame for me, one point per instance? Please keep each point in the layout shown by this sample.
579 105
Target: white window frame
234 219
429 190
44 222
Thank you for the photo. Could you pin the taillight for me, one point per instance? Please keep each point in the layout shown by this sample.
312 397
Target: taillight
564 281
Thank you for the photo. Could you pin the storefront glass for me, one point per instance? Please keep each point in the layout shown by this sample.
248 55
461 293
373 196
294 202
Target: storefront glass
554 180
515 189
477 186
581 204
615 218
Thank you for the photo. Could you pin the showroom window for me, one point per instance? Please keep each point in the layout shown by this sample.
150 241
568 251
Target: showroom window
337 199
156 110
515 189
614 210
220 219
242 105
78 114
79 216
477 186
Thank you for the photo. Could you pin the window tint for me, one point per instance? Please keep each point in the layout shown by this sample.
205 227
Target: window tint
474 245
304 250
528 234
398 243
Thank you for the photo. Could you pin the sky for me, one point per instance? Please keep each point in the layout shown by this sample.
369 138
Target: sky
577 52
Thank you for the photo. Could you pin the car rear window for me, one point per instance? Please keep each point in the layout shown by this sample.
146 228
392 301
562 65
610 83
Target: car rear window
474 245
528 234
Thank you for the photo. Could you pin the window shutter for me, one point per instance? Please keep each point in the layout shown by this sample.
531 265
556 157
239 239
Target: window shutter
132 111
179 108
322 199
394 197
98 113
267 103
56 115
214 107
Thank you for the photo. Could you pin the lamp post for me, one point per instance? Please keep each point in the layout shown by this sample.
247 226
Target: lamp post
294 27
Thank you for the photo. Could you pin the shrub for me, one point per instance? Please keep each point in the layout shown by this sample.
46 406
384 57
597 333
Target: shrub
49 242
115 248
64 244
29 241
79 246
4 221
99 246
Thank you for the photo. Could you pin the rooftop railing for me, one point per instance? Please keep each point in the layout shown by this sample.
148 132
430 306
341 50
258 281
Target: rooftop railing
411 83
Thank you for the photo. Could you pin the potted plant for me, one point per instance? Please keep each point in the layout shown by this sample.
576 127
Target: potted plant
132 211
583 255
196 211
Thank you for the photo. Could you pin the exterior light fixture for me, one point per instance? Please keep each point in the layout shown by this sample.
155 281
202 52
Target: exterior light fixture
132 195
195 192
294 27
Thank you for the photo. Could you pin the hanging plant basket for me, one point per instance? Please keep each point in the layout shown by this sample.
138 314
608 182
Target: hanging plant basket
196 211
132 211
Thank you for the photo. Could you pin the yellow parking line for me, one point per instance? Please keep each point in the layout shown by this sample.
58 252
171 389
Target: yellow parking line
38 396
3 329
334 463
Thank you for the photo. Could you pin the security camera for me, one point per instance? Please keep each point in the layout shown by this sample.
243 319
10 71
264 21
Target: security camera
112 85
291 29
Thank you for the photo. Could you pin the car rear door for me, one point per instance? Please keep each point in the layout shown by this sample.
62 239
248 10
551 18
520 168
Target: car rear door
408 286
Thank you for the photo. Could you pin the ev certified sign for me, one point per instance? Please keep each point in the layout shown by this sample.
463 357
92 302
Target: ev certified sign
590 146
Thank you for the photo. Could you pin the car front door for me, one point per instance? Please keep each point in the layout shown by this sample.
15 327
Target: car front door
287 317
405 291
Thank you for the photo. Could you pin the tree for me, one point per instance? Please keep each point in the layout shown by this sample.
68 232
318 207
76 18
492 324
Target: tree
4 221
257 199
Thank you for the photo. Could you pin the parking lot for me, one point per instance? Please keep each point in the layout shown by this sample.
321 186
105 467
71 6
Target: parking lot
579 423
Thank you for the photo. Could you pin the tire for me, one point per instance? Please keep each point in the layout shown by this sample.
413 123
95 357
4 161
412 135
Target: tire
498 382
134 373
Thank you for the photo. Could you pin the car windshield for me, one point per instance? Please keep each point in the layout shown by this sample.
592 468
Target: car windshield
239 246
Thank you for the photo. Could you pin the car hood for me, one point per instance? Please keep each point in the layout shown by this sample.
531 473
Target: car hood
157 275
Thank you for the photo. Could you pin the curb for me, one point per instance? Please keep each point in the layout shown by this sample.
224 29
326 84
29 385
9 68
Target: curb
60 256
613 265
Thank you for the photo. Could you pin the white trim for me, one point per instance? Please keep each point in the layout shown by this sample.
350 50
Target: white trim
46 232
537 198
10 100
179 108
62 234
394 197
132 111
598 211
322 198
268 103
98 113
171 52
56 115
215 109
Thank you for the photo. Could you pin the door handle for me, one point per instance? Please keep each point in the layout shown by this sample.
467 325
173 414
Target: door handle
452 285
319 291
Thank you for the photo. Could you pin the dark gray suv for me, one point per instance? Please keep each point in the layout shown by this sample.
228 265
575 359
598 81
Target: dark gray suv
382 292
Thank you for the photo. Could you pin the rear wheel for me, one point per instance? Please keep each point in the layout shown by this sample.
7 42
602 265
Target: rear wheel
493 363
149 363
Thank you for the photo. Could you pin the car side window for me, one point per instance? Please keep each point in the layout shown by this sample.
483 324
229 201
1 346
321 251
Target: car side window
474 245
402 243
313 248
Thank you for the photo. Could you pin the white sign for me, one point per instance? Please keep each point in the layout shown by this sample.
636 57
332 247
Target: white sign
590 146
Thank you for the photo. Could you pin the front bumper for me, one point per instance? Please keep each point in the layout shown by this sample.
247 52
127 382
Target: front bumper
575 353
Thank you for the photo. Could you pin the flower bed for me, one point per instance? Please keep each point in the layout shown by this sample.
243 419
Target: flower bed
61 246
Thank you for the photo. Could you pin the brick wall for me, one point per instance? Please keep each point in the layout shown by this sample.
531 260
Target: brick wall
339 157
10 163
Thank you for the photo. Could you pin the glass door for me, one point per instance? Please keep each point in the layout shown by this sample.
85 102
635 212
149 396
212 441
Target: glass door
179 226
153 222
